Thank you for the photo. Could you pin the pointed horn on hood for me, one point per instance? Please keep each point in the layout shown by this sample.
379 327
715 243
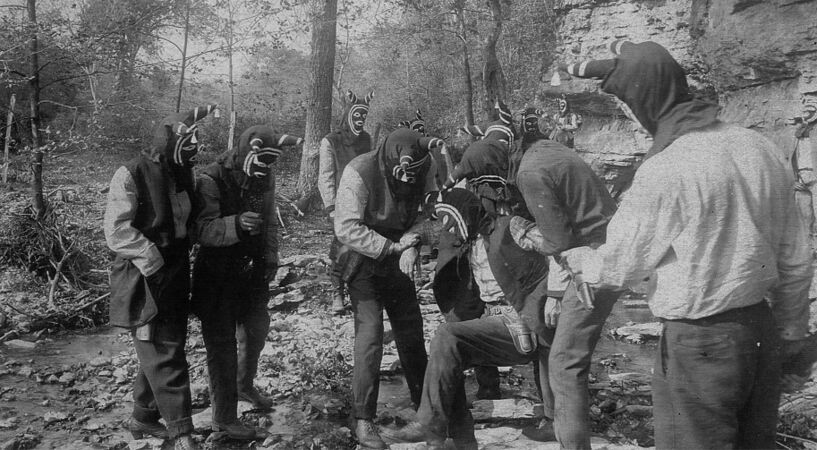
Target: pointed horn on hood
473 130
369 97
505 114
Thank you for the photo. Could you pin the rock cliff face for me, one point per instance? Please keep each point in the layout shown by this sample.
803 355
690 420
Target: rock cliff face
757 58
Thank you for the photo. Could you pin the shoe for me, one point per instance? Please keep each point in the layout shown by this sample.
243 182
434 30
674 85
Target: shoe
258 400
542 433
185 442
235 430
139 429
411 432
367 435
338 308
484 393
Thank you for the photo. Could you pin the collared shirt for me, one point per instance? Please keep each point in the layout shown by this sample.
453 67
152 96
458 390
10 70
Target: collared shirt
712 219
489 290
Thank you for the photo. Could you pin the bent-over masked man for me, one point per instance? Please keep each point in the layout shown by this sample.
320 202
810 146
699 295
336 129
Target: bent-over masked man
711 218
148 225
337 149
511 332
237 230
378 200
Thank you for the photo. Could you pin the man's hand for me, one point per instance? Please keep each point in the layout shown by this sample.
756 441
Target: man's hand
407 241
250 222
553 307
408 260
574 257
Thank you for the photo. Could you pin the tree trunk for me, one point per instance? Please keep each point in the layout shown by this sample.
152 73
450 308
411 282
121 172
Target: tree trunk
493 78
9 122
38 199
184 56
319 106
467 85
231 132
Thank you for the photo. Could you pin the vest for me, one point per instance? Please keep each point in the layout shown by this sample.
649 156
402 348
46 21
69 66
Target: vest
385 214
517 271
154 215
346 151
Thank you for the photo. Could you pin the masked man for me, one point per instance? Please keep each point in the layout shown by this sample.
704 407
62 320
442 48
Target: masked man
147 224
337 149
510 332
530 134
711 219
378 200
566 123
237 231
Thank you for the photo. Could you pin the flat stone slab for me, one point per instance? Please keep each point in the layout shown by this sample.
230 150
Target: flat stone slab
503 409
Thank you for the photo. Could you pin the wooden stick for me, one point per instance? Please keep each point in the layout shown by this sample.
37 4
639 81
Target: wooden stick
9 121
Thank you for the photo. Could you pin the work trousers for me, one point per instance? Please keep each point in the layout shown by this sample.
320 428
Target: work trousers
458 346
162 384
563 375
231 301
379 285
716 381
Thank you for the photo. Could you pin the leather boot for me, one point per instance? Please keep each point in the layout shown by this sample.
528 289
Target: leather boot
235 430
258 400
140 429
367 435
411 432
542 433
185 442
338 308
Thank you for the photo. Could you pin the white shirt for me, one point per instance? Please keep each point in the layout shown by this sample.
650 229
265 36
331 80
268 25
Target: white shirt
712 218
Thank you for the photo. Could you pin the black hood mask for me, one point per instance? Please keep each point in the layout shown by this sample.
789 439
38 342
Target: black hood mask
530 121
259 147
354 117
404 161
417 124
176 138
653 85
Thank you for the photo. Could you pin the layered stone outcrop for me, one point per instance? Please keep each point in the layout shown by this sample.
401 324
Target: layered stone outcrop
757 58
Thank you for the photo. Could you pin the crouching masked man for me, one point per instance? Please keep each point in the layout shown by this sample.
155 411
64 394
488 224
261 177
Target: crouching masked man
147 224
512 332
378 200
237 231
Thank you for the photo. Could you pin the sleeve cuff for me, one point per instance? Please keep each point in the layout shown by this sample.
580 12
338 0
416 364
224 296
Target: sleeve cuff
385 251
232 230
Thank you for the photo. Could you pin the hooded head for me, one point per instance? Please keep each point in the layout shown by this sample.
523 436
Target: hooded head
356 112
176 137
417 124
404 160
258 148
460 212
530 121
564 107
501 130
648 80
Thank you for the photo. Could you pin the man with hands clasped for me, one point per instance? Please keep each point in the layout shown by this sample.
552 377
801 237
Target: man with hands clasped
237 231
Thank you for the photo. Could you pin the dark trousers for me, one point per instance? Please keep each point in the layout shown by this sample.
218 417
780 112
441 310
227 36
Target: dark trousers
232 306
716 381
379 285
162 384
458 346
